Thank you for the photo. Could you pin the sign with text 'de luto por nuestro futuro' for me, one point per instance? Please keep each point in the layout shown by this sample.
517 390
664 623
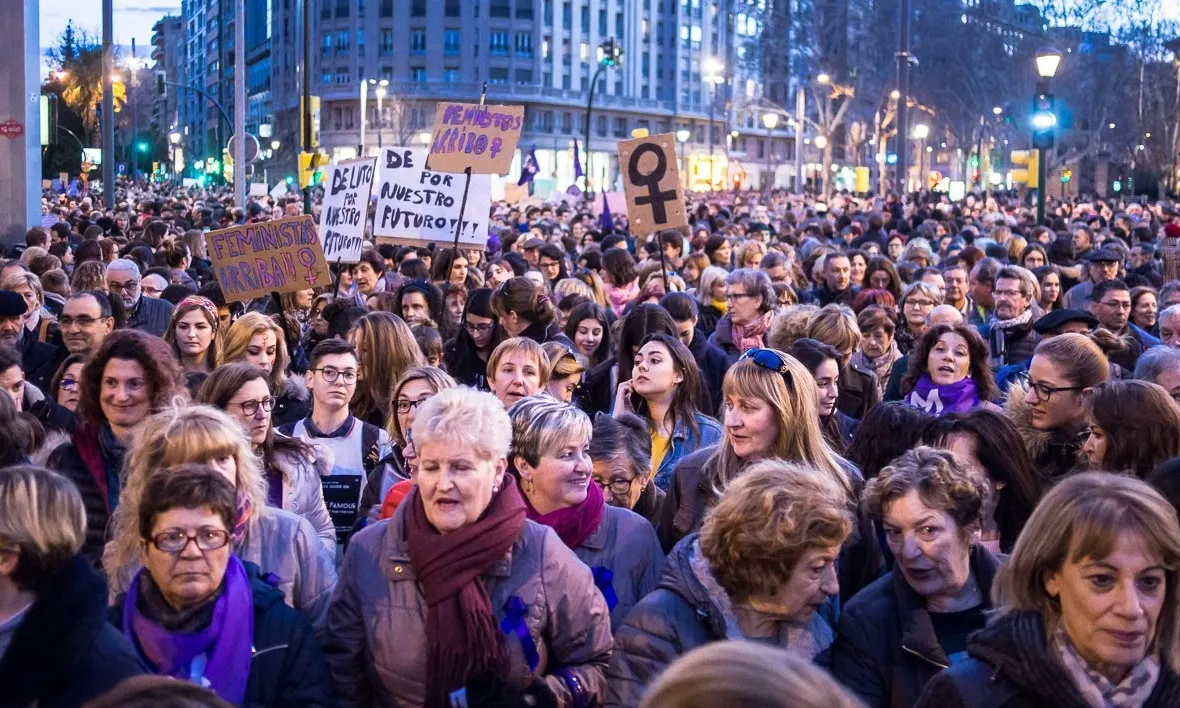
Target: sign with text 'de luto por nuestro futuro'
254 260
468 135
651 182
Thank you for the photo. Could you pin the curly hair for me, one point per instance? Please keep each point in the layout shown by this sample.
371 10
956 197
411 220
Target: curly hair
790 324
978 369
941 481
798 508
164 376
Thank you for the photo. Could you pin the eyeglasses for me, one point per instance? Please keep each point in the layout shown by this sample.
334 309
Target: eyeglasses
174 541
919 303
83 321
69 383
1045 391
405 405
130 286
767 360
330 374
251 407
616 486
480 327
550 264
736 296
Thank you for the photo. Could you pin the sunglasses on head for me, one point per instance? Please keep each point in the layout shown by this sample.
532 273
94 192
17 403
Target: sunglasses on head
767 359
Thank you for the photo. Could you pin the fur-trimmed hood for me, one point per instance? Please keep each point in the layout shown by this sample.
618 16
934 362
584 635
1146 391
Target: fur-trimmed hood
296 388
1053 452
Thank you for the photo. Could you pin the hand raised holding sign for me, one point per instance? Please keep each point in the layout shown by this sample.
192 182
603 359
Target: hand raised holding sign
651 180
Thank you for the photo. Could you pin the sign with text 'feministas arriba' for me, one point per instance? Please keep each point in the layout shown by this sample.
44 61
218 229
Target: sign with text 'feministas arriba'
254 260
468 135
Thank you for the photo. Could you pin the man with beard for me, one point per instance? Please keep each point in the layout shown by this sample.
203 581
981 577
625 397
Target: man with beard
1112 306
146 314
1009 334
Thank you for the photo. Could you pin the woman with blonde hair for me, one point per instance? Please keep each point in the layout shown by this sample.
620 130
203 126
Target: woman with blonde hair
89 275
258 340
281 544
53 604
566 369
710 296
769 410
726 674
768 581
193 335
385 348
517 369
1088 606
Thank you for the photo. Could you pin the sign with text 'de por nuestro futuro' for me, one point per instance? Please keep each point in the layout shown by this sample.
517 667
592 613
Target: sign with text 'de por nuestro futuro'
347 186
651 182
467 135
416 206
254 260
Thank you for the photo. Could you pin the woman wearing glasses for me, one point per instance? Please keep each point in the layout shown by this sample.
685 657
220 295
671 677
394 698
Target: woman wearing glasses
915 304
258 340
466 356
292 467
751 302
198 613
284 546
621 451
769 410
65 388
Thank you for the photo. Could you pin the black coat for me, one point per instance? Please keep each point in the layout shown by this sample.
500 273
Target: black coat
287 668
886 649
92 483
1011 665
707 317
858 392
713 364
64 653
823 296
37 359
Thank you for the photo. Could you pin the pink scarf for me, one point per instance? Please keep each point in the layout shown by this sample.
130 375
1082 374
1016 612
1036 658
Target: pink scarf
619 297
573 524
750 336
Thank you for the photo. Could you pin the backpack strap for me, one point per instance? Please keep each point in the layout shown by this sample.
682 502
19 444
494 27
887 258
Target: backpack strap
370 455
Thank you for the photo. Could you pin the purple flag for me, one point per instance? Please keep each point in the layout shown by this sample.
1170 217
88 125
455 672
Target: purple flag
606 222
577 162
529 168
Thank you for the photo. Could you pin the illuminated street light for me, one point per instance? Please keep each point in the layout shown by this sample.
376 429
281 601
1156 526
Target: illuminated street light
997 110
821 141
683 135
770 120
1111 126
895 94
1043 120
174 138
921 131
823 79
1047 61
274 144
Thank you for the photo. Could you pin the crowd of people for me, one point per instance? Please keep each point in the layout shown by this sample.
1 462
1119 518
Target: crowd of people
856 452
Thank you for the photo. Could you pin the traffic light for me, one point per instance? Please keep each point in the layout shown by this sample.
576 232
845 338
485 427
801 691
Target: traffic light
1030 160
1066 175
612 54
160 89
310 164
142 146
1044 121
315 121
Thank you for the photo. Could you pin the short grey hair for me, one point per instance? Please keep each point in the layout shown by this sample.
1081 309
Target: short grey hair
1029 287
465 417
923 287
1155 361
710 276
542 424
1169 312
123 264
756 283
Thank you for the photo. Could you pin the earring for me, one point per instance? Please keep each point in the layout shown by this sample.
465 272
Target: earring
527 484
495 489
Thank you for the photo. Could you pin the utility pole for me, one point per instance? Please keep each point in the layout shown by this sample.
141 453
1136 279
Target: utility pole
239 152
800 117
903 87
305 121
108 104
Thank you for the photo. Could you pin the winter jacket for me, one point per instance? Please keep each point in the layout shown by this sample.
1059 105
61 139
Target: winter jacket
707 318
37 359
687 501
1054 453
1138 341
684 442
625 557
823 296
1019 343
302 493
1080 296
713 364
91 468
650 503
287 667
886 648
150 315
64 653
376 637
600 384
722 338
681 614
292 404
1010 664
541 333
858 391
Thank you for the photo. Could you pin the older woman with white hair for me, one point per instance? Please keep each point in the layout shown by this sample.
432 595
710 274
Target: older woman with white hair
56 646
550 442
710 296
458 596
751 303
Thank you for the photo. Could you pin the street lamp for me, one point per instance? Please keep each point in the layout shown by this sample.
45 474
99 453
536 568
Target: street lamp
714 69
610 54
823 79
382 90
996 110
921 132
821 142
1047 61
682 137
1044 120
275 145
770 122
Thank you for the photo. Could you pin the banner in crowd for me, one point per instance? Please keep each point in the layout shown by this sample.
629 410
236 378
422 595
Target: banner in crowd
254 260
468 135
651 181
347 186
419 206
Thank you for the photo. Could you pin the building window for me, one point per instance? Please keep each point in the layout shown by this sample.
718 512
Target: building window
565 82
545 48
418 8
451 43
386 42
498 44
620 127
343 76
584 51
327 43
418 73
342 41
387 73
524 44
600 128
360 43
524 9
500 8
452 8
524 77
547 11
497 75
417 41
567 15
387 8
451 75
602 21
567 123
342 8
326 78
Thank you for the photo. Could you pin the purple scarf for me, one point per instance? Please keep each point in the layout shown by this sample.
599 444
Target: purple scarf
217 657
958 397
573 524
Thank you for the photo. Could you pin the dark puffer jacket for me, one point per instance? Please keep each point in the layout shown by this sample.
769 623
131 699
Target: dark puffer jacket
1011 665
91 467
64 653
287 667
886 649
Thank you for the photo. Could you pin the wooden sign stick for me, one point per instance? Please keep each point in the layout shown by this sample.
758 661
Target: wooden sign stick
483 94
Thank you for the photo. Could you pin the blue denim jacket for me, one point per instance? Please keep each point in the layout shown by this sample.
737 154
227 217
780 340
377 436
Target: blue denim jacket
684 443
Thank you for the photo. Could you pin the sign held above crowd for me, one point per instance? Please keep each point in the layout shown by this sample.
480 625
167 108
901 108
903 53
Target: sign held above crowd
651 182
474 136
418 206
280 256
347 186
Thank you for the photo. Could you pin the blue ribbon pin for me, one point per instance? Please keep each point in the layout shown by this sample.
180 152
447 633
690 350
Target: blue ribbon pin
513 623
602 579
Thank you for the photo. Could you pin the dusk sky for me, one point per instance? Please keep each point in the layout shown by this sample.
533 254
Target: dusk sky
133 18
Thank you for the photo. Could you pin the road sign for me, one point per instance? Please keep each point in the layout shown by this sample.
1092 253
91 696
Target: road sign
253 150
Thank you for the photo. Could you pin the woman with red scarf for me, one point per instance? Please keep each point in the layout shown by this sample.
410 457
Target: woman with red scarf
458 596
550 441
751 308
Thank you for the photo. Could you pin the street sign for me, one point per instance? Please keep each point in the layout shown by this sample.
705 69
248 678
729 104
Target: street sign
253 150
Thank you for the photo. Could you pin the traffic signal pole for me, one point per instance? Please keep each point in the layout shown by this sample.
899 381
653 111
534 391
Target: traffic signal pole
1042 171
306 103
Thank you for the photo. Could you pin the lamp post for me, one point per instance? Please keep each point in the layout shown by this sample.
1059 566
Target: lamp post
173 144
921 132
1044 120
770 122
609 54
382 89
713 76
682 137
821 143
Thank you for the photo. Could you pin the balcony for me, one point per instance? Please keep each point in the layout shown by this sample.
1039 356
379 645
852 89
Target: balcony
506 93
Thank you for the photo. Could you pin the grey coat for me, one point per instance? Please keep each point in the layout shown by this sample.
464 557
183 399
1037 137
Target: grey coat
625 546
376 637
302 493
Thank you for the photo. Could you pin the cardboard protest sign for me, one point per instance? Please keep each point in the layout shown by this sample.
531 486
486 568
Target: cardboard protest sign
651 181
347 186
470 135
279 189
254 260
419 206
257 189
514 193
